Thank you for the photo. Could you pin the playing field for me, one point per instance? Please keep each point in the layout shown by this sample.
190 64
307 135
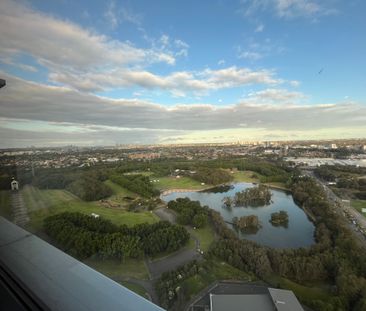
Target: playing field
359 205
43 203
134 268
166 183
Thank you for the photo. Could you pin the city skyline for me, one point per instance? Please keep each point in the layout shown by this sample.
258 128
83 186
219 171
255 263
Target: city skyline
121 72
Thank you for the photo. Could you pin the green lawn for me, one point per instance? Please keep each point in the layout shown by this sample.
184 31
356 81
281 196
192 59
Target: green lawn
134 268
249 176
205 235
166 183
118 190
44 203
5 204
245 176
304 293
217 271
36 199
138 289
359 205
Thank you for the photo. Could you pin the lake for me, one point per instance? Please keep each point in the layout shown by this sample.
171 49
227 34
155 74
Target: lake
298 233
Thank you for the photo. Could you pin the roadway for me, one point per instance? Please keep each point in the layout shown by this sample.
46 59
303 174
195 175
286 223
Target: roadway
356 222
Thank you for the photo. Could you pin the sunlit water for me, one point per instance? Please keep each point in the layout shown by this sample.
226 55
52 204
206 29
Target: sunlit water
298 233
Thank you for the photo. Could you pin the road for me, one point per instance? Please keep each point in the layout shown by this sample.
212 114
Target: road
356 222
172 262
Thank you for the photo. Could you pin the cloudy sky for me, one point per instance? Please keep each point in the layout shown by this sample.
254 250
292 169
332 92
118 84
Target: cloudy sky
143 72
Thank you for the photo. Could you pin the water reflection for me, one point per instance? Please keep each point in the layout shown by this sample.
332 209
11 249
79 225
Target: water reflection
298 232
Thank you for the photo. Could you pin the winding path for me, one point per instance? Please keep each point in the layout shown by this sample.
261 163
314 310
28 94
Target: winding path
171 262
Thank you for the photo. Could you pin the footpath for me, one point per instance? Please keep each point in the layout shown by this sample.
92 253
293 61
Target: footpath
19 210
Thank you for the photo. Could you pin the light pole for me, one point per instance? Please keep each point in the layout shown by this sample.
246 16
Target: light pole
2 83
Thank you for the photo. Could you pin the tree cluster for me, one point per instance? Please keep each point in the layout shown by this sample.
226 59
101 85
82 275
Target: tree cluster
246 222
137 183
255 196
167 287
84 236
190 212
279 219
89 189
325 173
212 176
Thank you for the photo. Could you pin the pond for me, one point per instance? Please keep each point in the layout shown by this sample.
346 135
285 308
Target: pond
299 232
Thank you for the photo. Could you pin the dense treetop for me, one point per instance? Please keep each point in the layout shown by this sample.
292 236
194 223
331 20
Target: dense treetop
84 236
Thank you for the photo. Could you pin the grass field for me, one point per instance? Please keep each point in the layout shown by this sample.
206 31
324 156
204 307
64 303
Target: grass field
5 204
217 271
245 176
253 177
205 235
138 289
304 293
134 268
119 191
166 183
44 203
359 205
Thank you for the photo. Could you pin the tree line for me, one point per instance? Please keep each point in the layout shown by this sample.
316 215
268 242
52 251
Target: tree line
137 183
83 236
212 176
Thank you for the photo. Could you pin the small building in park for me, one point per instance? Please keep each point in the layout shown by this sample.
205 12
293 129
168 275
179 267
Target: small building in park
274 300
14 185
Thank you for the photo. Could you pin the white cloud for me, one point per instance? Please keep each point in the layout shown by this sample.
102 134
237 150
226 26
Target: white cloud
179 82
111 15
63 46
289 8
221 62
250 55
115 14
129 16
182 46
254 50
277 95
295 83
164 39
259 28
92 62
9 61
23 30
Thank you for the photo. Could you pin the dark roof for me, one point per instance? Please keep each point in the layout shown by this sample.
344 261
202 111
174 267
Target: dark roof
273 300
60 281
241 303
284 300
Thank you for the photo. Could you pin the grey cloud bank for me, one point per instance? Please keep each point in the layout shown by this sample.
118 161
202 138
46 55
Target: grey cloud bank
32 101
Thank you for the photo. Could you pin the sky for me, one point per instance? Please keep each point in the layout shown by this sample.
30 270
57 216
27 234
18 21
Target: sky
166 72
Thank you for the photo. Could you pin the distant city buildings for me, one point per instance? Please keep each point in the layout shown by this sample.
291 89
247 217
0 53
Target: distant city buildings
73 156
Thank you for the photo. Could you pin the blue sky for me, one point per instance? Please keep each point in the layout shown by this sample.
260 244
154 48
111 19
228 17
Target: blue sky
232 70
